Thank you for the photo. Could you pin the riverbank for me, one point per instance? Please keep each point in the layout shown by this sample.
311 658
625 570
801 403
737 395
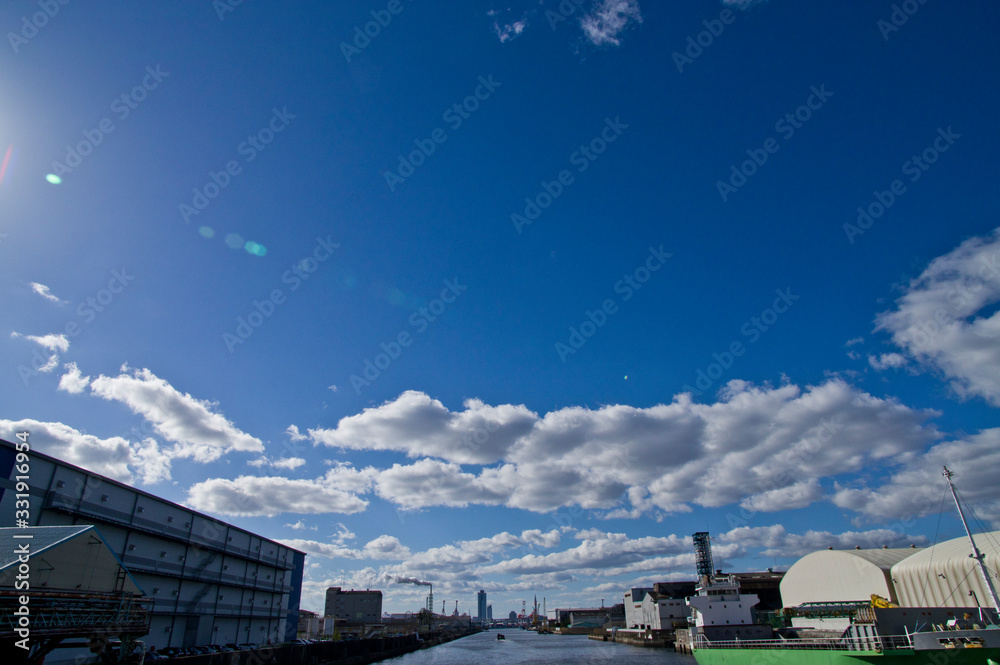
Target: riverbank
346 652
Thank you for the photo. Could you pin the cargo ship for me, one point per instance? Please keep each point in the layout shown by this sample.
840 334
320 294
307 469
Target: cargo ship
879 633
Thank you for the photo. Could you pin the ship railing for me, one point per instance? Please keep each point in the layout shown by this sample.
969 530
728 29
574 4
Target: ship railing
883 643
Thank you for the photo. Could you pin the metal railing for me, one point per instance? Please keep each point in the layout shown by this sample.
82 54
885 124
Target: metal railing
883 643
67 613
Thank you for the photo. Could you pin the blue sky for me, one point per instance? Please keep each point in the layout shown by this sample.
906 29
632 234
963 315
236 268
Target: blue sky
510 296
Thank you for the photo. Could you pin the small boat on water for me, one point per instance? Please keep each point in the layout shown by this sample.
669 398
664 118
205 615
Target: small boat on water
500 636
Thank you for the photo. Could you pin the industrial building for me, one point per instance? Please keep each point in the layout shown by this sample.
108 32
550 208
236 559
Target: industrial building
208 582
657 608
660 612
633 605
354 607
944 575
841 576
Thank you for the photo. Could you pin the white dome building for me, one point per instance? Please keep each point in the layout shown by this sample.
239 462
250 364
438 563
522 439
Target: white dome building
842 576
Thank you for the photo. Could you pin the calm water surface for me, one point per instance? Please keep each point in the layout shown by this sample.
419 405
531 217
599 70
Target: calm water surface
522 646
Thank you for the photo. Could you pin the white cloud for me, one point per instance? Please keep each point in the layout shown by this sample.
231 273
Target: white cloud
433 483
52 341
114 457
510 30
383 548
462 554
151 463
317 548
608 19
50 364
946 318
422 427
301 526
773 444
887 361
293 433
290 463
334 492
790 497
539 538
343 534
72 381
917 488
595 553
46 293
782 544
854 340
197 430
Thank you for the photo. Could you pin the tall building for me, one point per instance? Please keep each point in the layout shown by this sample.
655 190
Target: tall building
209 582
357 607
481 614
489 612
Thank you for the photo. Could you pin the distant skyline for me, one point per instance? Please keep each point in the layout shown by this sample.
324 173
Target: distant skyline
510 297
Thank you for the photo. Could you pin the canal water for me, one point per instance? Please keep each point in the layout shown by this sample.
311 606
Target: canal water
523 646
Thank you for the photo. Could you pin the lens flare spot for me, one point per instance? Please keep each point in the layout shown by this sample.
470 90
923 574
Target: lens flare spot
395 297
234 240
255 248
207 232
6 161
54 179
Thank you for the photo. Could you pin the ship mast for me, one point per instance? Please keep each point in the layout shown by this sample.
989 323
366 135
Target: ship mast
976 554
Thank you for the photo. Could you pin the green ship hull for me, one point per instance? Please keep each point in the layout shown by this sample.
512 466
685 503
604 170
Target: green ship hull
833 657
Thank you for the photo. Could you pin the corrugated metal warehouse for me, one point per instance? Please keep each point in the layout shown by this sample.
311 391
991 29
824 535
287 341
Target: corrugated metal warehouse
938 576
943 575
